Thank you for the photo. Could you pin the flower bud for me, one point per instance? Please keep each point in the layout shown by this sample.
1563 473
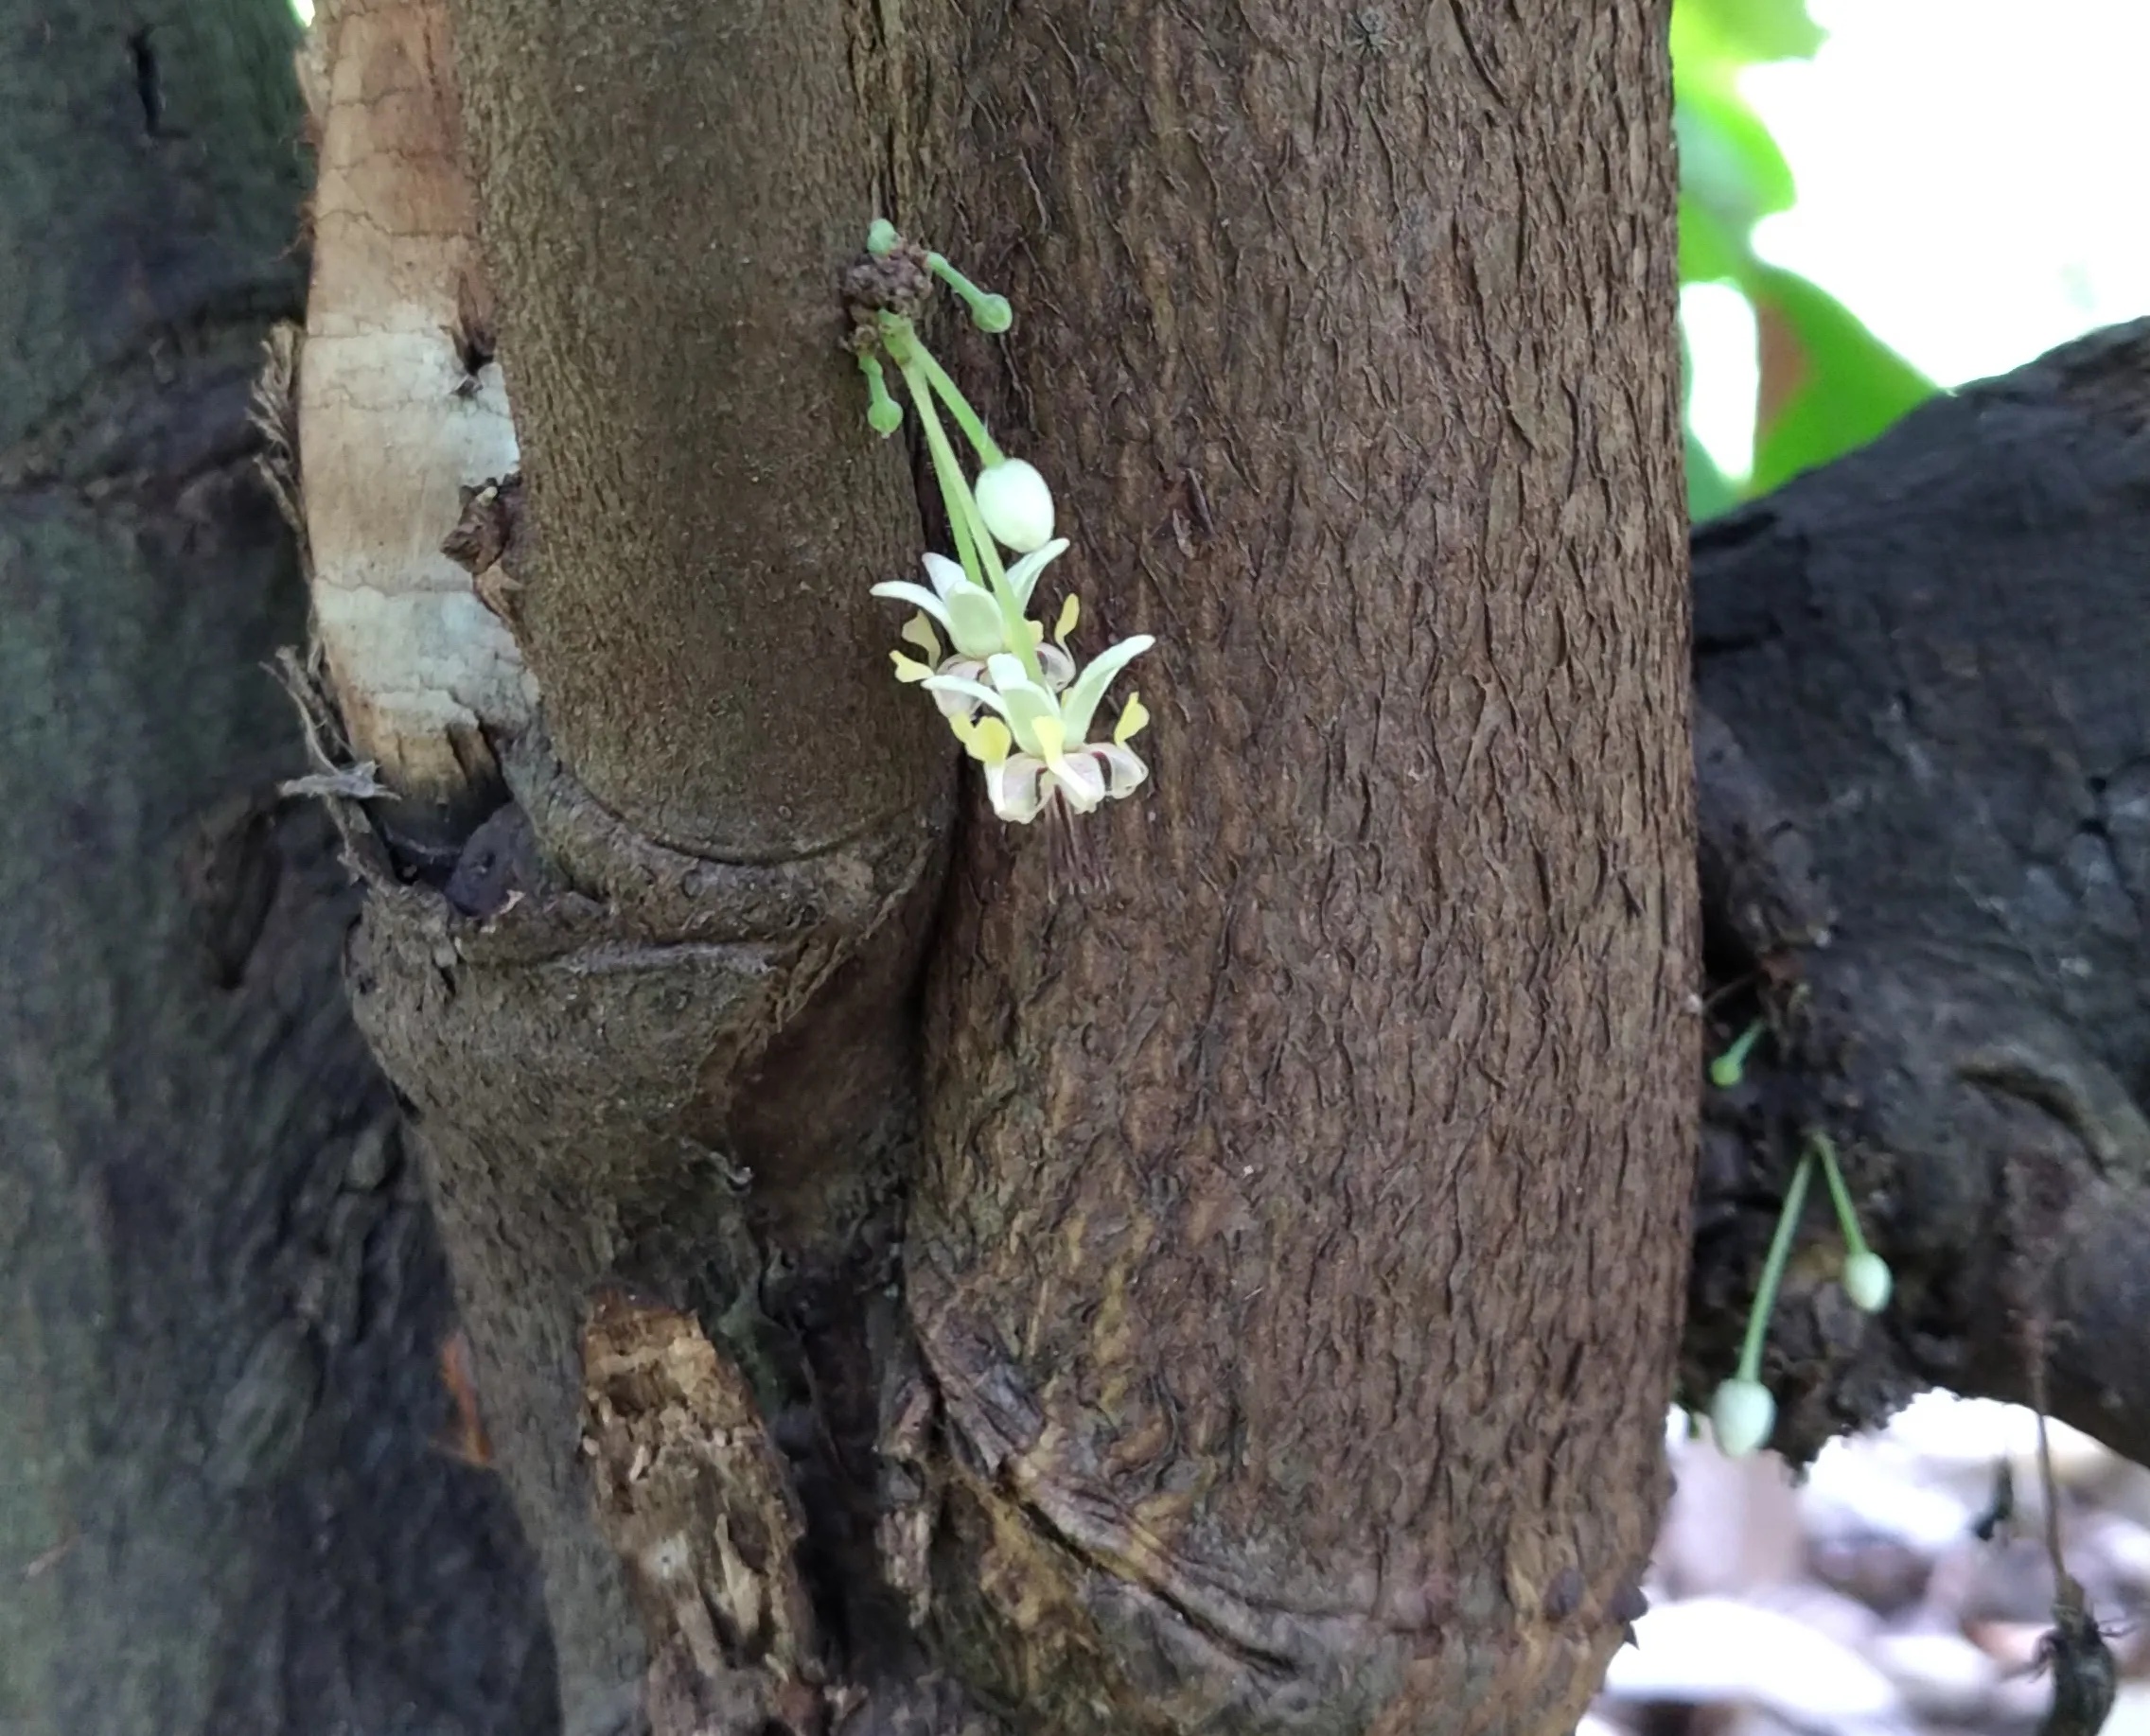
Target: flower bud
1742 1415
1867 1280
1016 505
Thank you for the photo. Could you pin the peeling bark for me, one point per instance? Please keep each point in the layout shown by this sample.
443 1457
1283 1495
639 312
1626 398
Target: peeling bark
401 406
697 1501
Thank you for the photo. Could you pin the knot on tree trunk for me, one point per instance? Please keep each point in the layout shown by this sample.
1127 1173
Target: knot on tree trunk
1169 1622
617 1060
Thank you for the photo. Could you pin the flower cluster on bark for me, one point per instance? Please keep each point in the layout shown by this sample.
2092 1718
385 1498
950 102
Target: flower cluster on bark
1021 704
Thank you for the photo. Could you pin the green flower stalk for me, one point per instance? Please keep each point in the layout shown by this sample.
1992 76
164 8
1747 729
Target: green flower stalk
1743 1412
884 416
1866 1276
990 313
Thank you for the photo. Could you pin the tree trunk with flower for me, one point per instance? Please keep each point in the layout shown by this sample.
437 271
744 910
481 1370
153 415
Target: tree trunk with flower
959 1224
1195 1306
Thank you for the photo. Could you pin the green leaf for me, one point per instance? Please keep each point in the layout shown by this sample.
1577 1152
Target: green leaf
1729 165
1709 490
1828 384
1711 250
1748 31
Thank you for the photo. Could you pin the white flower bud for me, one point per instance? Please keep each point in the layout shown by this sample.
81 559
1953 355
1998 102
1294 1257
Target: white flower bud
1015 505
1867 1281
1742 1415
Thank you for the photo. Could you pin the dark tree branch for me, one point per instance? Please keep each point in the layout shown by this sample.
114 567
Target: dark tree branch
225 1504
1929 661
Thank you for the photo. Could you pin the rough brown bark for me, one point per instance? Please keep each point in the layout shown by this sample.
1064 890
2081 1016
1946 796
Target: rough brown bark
667 201
1385 325
679 1054
222 1508
1297 1249
216 1366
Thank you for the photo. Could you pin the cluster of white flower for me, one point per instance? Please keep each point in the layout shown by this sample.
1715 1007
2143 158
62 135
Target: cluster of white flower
1019 704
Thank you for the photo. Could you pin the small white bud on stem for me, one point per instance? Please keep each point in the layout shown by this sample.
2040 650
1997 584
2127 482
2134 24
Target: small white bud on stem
1016 505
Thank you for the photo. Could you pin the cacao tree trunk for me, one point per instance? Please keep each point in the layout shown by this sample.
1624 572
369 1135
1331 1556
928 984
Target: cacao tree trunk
1263 1254
1237 1337
1230 1278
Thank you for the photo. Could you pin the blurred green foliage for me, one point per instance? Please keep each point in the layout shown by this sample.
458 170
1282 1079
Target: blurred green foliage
1828 383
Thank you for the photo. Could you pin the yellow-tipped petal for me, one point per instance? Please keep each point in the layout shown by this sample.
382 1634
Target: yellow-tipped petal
1133 715
1070 612
919 631
910 668
1052 737
986 740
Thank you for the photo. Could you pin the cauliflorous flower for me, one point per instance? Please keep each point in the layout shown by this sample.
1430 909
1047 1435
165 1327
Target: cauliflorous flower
1020 705
976 625
1036 747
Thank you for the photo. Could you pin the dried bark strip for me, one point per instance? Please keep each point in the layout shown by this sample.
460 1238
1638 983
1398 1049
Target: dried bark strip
697 1501
402 404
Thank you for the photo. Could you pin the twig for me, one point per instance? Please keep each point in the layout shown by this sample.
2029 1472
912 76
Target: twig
2084 1677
